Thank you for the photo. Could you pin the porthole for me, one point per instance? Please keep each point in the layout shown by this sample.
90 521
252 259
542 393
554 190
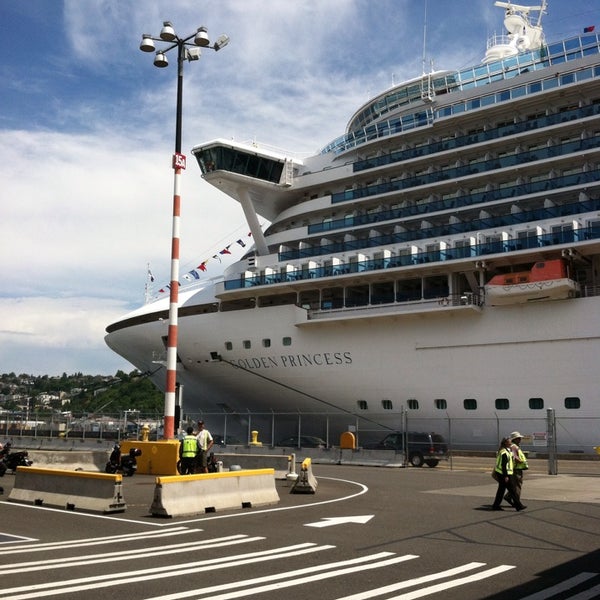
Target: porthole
440 404
572 402
536 403
502 404
470 404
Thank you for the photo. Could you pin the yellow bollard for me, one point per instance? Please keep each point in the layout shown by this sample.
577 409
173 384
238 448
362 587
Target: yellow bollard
255 441
145 433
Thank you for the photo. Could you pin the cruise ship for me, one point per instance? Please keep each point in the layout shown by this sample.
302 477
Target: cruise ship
437 265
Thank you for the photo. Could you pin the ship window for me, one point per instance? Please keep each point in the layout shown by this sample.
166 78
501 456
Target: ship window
228 346
572 402
412 404
470 404
247 344
440 404
387 404
502 404
266 343
362 404
286 341
536 403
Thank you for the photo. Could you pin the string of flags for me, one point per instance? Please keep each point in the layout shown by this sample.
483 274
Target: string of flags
194 274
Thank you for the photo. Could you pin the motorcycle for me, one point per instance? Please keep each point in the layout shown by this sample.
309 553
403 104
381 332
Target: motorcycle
125 464
11 460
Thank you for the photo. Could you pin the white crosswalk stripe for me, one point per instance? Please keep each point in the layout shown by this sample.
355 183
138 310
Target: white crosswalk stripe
149 546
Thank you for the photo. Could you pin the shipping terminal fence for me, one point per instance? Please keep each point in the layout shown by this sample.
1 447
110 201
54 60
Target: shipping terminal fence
573 435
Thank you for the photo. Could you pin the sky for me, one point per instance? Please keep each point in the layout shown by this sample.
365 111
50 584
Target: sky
87 128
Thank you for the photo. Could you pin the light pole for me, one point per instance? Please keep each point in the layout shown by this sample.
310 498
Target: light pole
186 50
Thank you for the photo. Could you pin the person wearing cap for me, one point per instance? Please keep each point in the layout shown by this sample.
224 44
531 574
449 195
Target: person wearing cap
502 474
519 465
205 443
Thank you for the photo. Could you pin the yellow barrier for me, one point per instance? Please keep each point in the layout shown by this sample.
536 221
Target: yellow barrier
158 458
208 492
72 490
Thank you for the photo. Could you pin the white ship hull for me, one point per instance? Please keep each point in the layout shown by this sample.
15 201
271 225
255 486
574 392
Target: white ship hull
450 353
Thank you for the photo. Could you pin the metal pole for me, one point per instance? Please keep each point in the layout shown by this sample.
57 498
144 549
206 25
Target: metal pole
551 433
178 166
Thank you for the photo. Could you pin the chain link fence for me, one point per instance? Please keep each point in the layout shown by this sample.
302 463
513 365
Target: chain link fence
572 434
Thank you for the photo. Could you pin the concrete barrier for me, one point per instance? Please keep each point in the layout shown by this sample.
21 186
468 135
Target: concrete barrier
306 482
86 460
71 490
278 462
208 492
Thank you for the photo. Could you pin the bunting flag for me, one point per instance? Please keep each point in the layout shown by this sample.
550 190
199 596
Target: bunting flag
589 29
192 275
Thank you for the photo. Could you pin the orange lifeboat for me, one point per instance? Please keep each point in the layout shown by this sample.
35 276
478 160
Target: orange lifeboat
546 280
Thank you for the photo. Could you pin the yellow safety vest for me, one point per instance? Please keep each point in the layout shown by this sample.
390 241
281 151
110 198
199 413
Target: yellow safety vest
521 464
509 464
189 446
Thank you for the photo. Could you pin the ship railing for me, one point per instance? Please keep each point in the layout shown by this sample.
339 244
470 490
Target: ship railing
534 123
588 291
484 249
444 204
328 309
479 167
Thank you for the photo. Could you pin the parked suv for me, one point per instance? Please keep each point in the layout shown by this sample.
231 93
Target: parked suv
423 448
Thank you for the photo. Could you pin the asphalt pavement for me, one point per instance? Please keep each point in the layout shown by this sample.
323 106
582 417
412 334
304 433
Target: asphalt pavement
365 533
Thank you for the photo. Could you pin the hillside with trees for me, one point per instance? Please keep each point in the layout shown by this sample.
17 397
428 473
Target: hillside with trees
79 394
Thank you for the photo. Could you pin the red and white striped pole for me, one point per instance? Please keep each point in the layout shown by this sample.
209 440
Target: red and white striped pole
171 386
178 166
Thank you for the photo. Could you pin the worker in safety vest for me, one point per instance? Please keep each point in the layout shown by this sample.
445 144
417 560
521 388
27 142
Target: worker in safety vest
188 451
519 465
503 475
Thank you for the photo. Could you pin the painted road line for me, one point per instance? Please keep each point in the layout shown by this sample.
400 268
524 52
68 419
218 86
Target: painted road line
442 587
563 586
277 581
136 554
42 590
113 539
400 585
593 592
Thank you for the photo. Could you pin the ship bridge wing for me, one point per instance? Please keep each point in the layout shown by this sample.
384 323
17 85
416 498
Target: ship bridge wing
246 171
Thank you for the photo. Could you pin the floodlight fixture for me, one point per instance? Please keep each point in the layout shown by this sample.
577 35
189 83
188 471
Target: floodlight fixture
201 38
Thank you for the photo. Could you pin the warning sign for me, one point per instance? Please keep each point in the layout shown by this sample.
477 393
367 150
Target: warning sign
540 439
